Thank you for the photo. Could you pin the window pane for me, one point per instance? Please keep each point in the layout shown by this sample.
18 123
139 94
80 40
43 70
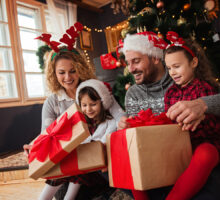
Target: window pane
7 86
4 35
6 62
3 15
29 17
28 41
50 22
35 85
31 62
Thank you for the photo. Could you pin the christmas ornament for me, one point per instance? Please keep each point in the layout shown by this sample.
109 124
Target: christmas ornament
186 6
160 4
127 86
145 10
212 7
160 35
118 64
209 5
124 32
181 21
108 61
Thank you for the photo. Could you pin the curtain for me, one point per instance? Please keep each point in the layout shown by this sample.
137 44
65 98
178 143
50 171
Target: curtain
61 20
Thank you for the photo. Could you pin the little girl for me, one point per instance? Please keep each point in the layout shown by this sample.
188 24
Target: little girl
95 100
190 70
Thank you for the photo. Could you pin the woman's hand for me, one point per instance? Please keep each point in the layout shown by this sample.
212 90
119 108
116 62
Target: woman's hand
188 112
27 148
122 124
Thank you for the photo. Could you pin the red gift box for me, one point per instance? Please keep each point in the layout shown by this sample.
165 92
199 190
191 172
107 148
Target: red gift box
84 159
57 141
147 157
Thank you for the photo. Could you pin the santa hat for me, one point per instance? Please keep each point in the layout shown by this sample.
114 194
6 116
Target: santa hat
100 88
145 43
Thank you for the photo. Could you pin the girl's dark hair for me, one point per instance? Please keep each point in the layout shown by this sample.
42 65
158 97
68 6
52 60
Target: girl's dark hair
203 70
104 114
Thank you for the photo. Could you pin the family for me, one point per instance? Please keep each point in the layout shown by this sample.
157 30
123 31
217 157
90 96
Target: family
174 78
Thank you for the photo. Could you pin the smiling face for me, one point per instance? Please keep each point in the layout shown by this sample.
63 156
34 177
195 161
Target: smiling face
141 66
66 74
180 68
90 108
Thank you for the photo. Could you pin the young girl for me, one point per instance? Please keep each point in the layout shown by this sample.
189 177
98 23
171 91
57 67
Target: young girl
95 100
190 70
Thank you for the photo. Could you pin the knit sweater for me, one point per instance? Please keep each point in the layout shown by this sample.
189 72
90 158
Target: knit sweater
144 96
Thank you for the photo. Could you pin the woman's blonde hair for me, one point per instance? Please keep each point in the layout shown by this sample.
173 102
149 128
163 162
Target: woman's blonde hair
83 68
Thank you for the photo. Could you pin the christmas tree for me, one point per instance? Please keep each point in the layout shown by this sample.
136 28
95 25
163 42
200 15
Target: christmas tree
189 18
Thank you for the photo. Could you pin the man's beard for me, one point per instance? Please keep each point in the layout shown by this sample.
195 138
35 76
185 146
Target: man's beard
147 79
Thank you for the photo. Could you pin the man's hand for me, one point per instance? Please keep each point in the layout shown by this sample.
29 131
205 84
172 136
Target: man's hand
122 124
188 112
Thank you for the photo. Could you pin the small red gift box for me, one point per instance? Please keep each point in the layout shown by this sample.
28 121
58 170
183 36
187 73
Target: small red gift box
147 157
85 158
57 141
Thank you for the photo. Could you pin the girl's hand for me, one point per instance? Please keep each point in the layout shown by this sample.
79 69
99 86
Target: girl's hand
122 124
193 125
26 148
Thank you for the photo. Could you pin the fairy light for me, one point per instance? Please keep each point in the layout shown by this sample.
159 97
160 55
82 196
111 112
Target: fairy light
115 28
87 56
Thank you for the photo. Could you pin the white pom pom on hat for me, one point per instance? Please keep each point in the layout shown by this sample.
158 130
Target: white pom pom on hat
141 43
100 88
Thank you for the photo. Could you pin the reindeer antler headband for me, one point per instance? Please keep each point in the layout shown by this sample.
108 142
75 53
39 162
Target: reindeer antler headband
69 39
149 43
177 41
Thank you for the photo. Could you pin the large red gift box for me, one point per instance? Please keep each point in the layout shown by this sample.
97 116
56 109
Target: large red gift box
147 157
84 159
57 141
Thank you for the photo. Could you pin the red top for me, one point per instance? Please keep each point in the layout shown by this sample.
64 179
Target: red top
209 129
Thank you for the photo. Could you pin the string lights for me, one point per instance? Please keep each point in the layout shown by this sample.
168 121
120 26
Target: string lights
112 28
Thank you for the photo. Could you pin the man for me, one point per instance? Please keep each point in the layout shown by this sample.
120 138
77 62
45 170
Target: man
152 80
144 59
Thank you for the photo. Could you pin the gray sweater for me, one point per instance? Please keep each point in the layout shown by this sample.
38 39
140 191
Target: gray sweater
146 96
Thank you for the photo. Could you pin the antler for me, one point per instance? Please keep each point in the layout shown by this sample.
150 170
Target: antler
174 37
177 41
52 44
73 35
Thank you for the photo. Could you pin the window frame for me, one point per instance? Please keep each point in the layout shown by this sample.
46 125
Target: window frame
22 98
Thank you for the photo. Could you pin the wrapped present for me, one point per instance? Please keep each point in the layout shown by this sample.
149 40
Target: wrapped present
85 158
147 157
57 141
